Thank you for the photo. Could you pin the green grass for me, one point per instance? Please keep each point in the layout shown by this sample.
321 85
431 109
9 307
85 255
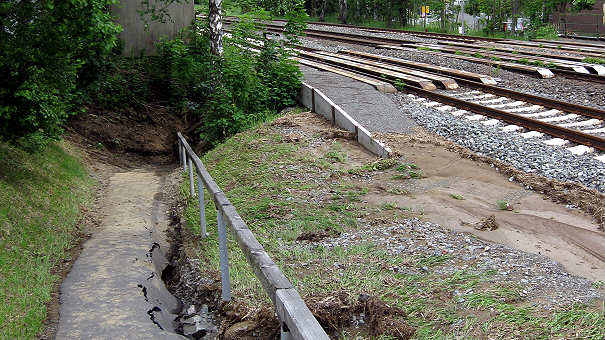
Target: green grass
271 183
40 199
457 196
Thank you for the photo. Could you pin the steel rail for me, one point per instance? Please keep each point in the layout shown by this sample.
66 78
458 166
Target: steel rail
529 123
532 124
587 111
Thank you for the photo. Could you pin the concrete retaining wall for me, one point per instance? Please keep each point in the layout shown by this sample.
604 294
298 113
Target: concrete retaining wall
138 41
320 103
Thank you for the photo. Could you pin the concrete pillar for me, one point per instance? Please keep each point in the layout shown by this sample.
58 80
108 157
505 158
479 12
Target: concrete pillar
138 41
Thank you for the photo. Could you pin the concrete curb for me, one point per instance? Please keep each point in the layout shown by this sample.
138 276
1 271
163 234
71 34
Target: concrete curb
318 102
297 320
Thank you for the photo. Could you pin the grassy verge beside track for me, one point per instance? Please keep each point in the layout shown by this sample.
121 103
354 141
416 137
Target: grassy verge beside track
41 196
299 179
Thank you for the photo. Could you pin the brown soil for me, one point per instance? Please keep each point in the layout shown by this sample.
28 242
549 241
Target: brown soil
315 236
126 138
539 222
335 312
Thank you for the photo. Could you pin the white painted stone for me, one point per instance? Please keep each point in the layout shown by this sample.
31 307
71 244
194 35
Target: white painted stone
599 130
525 109
587 122
580 149
459 112
445 108
556 142
559 118
475 117
490 122
411 95
420 99
431 104
542 114
510 128
531 134
601 158
513 104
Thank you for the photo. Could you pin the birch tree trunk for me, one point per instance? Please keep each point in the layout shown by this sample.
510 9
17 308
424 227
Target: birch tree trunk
342 4
215 22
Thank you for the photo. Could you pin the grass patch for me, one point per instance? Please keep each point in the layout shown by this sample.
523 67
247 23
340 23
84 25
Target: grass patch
271 183
379 165
336 154
457 196
593 60
40 199
503 205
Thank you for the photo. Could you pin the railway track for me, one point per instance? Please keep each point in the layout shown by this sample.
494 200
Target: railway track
511 111
494 55
531 116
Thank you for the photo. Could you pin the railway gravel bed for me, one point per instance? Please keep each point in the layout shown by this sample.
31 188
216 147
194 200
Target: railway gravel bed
529 155
541 280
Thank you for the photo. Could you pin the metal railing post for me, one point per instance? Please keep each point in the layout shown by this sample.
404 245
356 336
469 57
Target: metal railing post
191 177
200 199
224 260
285 332
184 158
180 152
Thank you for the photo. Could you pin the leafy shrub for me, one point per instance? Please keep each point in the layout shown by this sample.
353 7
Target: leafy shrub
50 51
544 32
233 92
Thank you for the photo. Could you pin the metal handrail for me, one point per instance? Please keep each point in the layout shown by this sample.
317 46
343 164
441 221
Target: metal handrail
297 321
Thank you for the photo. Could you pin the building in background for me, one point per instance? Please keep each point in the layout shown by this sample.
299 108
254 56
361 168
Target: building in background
136 39
589 22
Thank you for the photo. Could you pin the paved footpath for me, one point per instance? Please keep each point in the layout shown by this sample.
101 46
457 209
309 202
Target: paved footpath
374 110
114 290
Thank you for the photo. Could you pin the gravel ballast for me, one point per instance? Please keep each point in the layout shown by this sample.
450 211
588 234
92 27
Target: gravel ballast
529 155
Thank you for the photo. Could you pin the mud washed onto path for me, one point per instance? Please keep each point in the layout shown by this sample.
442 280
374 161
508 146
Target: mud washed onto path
458 193
115 288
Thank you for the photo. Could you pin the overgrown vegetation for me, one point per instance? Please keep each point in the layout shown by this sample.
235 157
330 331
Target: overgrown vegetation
50 54
40 199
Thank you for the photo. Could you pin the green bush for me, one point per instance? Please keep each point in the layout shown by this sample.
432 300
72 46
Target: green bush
50 51
234 92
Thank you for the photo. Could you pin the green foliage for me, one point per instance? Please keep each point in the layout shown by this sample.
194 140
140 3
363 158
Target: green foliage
50 52
593 60
41 194
236 91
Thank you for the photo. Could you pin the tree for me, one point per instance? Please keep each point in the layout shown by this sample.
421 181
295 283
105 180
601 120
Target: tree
215 25
50 52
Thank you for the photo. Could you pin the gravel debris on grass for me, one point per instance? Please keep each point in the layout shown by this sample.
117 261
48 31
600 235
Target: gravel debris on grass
542 281
529 155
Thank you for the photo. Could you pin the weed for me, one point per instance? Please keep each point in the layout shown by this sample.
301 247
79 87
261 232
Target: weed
382 164
421 48
388 206
503 205
593 60
457 196
399 84
336 153
478 55
539 63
